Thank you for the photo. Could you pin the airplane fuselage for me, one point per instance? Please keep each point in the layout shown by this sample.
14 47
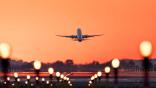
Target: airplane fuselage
79 35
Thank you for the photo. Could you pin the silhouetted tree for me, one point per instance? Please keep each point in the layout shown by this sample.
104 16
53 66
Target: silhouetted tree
69 62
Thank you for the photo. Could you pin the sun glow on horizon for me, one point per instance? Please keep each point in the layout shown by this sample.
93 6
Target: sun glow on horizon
31 28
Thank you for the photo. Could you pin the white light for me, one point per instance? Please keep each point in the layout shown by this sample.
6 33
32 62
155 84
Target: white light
47 82
18 79
37 78
28 77
90 82
16 75
8 78
5 50
58 74
95 76
115 63
99 73
70 84
26 82
67 79
32 84
37 65
13 84
51 84
92 78
62 76
146 48
107 69
51 71
43 79
5 82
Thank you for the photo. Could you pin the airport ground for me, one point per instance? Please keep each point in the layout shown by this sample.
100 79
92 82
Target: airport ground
83 83
81 79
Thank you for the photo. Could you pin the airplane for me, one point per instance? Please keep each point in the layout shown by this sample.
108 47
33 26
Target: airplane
79 36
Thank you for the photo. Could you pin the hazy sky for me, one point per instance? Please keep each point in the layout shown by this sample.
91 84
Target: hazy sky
31 27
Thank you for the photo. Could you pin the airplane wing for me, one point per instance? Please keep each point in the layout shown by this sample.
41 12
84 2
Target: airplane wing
87 36
66 36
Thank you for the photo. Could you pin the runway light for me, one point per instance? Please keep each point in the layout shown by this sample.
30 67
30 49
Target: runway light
13 84
32 84
16 75
107 69
26 82
28 77
37 78
99 73
115 63
43 79
65 78
90 82
92 78
5 50
5 82
95 76
68 82
47 82
37 65
70 85
62 76
58 74
146 48
18 79
8 78
51 71
51 84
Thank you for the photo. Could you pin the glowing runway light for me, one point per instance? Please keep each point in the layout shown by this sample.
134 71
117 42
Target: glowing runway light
146 48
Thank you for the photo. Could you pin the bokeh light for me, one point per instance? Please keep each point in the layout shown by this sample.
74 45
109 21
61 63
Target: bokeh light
16 75
5 50
115 63
37 65
146 48
107 69
51 71
99 73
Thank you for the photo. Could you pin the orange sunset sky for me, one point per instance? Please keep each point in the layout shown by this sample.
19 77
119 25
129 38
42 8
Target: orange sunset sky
31 26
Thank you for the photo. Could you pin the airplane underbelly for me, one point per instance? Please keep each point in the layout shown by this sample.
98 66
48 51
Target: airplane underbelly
80 37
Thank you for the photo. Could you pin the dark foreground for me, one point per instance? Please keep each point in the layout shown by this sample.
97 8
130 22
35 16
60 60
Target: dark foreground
79 82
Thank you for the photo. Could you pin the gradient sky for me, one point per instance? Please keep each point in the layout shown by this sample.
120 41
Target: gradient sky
31 25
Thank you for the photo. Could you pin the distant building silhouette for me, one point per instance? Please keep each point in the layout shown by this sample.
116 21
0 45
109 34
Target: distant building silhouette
69 66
